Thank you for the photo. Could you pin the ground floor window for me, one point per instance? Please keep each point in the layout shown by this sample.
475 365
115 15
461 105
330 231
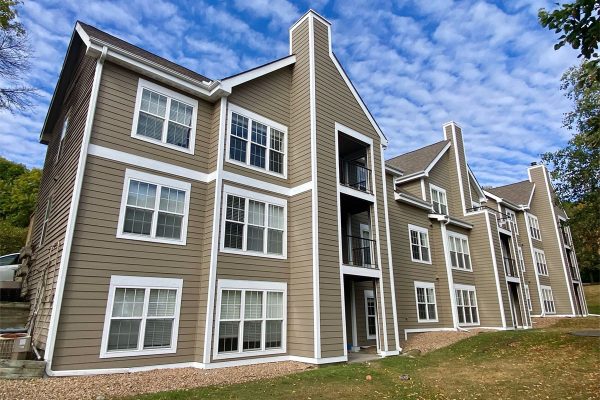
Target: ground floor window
142 316
371 313
426 304
548 298
251 318
466 305
528 298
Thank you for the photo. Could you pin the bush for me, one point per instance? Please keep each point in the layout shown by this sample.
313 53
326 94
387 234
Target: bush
12 238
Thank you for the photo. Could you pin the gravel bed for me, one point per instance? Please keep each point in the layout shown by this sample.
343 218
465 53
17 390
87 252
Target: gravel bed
545 322
429 341
121 385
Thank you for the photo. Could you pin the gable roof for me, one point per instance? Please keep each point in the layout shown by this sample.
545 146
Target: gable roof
417 161
518 193
114 41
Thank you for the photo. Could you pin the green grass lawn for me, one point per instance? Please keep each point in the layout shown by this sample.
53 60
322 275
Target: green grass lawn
534 364
592 296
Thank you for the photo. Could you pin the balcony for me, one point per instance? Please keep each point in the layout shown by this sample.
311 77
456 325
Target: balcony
356 176
359 252
510 268
504 220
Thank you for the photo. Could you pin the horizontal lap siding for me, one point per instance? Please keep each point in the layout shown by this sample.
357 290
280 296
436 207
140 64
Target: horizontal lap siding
97 254
57 183
443 175
413 187
114 120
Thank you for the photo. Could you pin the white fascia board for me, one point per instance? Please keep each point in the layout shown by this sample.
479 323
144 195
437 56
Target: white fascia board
228 83
480 190
393 171
501 200
410 177
437 158
412 201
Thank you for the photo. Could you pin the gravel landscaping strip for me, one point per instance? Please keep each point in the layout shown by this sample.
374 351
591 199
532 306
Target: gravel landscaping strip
121 385
429 341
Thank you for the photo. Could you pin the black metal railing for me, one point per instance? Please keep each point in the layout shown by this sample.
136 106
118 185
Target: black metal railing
502 218
510 267
359 252
356 176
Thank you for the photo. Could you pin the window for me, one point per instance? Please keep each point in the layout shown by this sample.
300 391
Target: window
142 316
466 305
46 220
154 208
426 304
256 142
438 199
371 313
534 227
63 133
164 117
540 262
419 244
459 251
513 219
253 223
528 298
548 299
251 318
521 259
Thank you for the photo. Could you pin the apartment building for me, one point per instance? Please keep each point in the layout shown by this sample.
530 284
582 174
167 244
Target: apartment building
187 221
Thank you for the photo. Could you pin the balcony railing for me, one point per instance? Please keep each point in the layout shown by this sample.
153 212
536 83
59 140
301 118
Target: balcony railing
503 219
510 267
359 252
356 176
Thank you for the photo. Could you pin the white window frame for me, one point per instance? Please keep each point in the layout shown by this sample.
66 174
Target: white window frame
147 283
469 288
46 220
159 181
243 286
521 258
513 219
528 297
466 239
419 230
263 198
540 258
534 227
232 108
425 286
63 134
441 191
369 294
170 94
548 297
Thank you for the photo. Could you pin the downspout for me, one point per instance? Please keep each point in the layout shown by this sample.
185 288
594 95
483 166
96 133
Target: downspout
64 262
450 277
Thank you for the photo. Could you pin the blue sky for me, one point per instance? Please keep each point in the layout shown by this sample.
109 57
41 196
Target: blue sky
487 65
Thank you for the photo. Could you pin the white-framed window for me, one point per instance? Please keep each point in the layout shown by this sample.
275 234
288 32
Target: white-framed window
528 297
253 223
439 199
534 227
63 134
460 257
512 216
256 142
47 213
426 303
548 299
540 262
154 208
251 318
165 117
142 316
466 305
419 244
521 258
371 315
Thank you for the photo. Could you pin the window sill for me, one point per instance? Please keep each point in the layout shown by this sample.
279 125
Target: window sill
189 150
135 353
151 239
465 324
257 169
247 353
462 269
420 261
253 254
427 321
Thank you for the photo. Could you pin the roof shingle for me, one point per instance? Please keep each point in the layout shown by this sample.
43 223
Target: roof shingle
417 160
517 193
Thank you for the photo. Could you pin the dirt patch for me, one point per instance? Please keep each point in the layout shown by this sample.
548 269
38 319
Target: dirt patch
120 385
429 341
545 322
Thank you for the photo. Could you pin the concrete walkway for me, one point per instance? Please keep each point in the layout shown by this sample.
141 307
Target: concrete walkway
362 357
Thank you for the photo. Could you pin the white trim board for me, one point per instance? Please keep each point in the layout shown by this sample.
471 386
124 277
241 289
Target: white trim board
229 83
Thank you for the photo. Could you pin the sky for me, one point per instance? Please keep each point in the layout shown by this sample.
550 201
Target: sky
489 66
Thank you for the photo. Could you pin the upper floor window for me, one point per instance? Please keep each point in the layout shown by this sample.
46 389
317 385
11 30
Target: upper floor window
460 257
253 223
419 243
439 200
426 304
45 221
164 117
534 227
256 142
540 261
521 259
513 220
154 208
63 134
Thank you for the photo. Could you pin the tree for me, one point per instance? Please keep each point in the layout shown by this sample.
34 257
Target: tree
18 192
14 59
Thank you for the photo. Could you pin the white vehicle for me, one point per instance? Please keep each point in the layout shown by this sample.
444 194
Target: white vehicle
9 264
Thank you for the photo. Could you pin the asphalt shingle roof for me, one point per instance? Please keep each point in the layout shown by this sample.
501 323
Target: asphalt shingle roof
417 160
517 193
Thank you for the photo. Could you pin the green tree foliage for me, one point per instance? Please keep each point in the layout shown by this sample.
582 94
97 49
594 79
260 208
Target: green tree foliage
12 238
576 167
